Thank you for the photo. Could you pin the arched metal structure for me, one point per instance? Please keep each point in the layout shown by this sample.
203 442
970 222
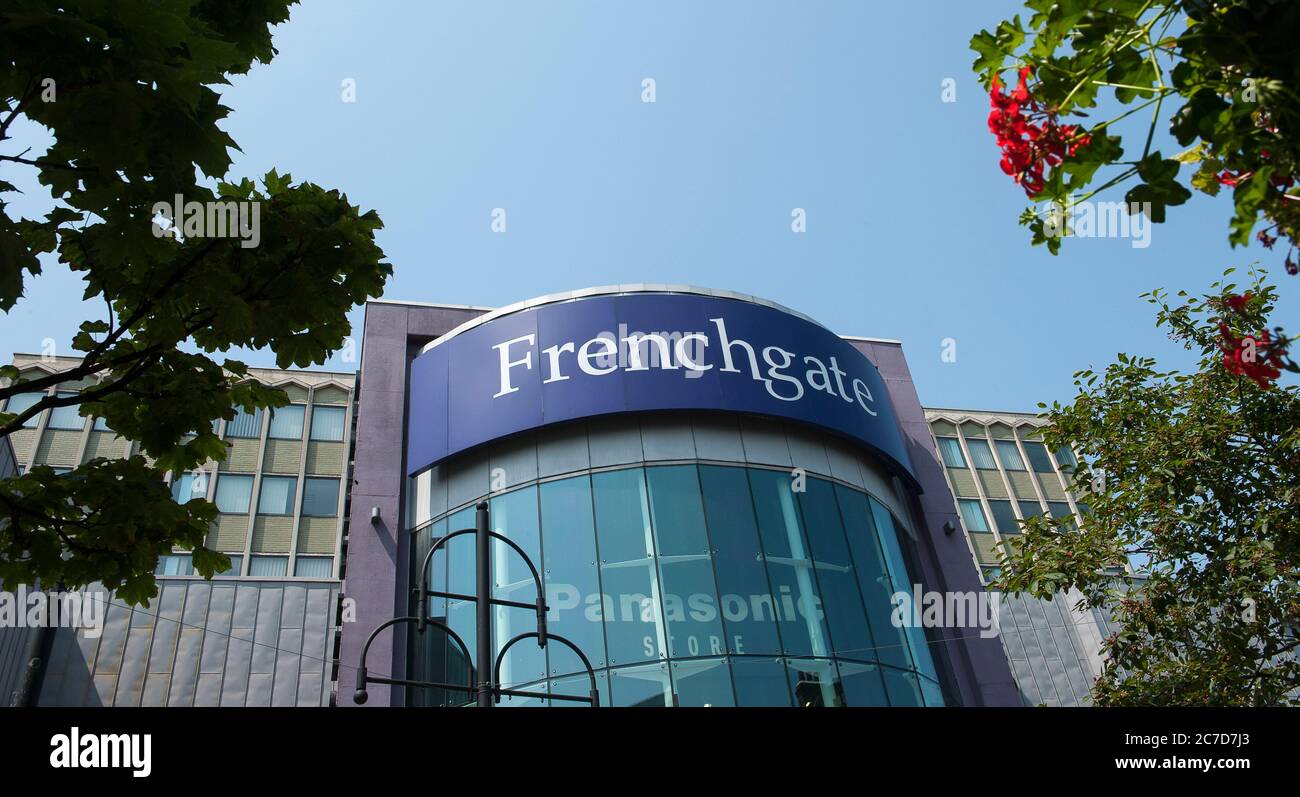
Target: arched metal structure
487 690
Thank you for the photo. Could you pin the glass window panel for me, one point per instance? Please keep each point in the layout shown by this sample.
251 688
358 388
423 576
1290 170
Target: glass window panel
66 417
950 448
633 615
1038 458
789 567
101 425
760 682
314 567
320 497
1004 517
972 514
748 611
433 647
863 684
931 692
188 486
889 543
815 683
1065 456
20 403
646 685
233 493
245 424
516 701
268 566
580 685
327 423
690 595
903 688
276 497
286 422
235 563
1030 508
514 514
1061 510
836 579
460 579
892 646
1010 455
175 565
702 682
572 583
981 454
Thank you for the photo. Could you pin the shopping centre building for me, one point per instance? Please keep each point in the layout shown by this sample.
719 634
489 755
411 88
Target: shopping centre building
722 498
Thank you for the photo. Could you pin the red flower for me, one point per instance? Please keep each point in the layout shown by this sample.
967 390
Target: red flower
1259 357
1029 136
1238 303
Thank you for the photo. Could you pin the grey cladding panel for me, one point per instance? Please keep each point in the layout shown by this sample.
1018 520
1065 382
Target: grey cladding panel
227 643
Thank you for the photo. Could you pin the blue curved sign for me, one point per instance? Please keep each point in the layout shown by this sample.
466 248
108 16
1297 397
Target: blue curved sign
637 353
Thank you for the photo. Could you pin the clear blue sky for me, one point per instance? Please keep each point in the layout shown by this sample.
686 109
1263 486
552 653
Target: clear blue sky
761 107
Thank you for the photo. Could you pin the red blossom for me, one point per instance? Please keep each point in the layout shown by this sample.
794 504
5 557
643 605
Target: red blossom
1258 357
1028 134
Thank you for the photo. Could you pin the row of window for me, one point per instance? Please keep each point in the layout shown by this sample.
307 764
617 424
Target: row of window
327 422
739 681
982 455
258 565
320 494
972 514
286 423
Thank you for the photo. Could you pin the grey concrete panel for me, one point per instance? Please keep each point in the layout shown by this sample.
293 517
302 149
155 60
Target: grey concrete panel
807 452
130 681
562 449
614 441
514 462
765 443
667 438
717 437
266 637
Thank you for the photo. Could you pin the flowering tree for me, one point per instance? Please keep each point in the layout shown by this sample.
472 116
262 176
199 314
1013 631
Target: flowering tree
1195 478
1191 478
1220 76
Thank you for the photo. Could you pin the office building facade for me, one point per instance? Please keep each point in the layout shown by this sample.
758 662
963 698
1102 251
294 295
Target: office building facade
261 634
1000 473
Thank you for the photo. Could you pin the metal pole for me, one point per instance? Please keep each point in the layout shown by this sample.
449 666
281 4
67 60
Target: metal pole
483 607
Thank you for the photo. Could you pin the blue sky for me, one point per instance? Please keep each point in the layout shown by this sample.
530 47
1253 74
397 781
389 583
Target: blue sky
761 107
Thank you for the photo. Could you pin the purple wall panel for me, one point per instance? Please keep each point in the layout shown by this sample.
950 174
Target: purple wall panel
378 554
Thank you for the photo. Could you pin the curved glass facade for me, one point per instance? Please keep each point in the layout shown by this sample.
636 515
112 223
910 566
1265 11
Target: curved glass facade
689 584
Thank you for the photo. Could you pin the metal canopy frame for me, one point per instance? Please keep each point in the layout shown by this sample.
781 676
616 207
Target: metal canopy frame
487 688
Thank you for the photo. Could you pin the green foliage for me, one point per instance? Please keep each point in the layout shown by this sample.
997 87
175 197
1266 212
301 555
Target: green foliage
127 91
1195 476
1220 75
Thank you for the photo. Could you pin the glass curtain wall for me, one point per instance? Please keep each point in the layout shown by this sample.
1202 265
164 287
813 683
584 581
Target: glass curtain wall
688 585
